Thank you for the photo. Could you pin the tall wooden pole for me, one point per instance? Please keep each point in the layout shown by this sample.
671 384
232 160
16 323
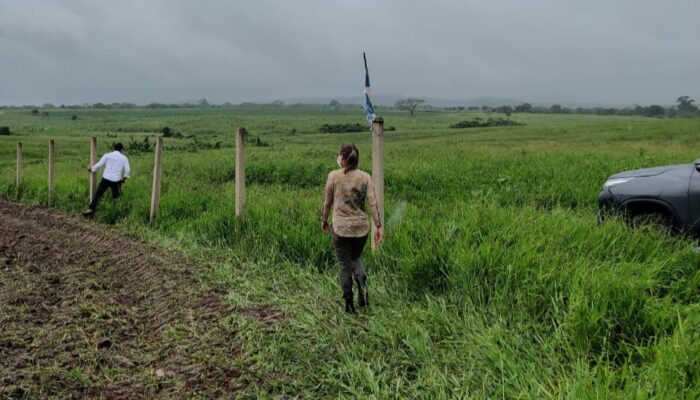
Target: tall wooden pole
240 172
93 161
18 177
157 170
378 170
52 169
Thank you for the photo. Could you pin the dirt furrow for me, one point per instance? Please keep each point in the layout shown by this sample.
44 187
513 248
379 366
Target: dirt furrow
88 312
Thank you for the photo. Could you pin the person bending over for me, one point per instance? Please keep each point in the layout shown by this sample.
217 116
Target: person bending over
346 191
114 163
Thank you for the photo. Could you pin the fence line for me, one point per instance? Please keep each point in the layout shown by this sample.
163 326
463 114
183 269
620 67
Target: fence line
377 171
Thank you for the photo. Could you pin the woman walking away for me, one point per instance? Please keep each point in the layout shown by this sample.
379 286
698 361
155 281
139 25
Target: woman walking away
346 191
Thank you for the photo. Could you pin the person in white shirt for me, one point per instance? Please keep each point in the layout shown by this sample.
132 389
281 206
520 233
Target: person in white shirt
116 172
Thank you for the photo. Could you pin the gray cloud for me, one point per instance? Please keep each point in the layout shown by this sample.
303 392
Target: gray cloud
619 52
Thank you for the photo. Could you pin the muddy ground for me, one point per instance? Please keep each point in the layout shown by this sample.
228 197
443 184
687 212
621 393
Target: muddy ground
88 312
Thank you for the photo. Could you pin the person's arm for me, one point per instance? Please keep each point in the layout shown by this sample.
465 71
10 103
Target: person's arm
374 209
327 203
127 168
99 164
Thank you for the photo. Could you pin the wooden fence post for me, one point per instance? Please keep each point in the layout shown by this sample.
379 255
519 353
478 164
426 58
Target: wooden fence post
52 169
18 177
157 170
378 171
240 172
93 161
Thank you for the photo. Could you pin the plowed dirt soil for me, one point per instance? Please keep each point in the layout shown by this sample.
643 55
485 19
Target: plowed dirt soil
86 311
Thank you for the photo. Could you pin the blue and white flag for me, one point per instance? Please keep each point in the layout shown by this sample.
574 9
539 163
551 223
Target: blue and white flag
369 108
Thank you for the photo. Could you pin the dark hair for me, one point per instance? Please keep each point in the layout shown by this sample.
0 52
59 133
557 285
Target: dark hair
351 155
118 147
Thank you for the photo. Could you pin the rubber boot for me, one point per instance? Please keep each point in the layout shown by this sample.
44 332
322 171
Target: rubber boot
362 295
349 305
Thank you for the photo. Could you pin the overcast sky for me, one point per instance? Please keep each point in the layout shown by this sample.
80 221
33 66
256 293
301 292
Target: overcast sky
598 51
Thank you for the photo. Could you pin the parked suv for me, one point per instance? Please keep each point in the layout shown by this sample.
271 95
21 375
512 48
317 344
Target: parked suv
668 195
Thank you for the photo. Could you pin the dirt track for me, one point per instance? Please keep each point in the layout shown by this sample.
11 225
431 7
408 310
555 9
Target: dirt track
88 312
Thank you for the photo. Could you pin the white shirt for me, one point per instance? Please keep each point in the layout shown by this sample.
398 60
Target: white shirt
114 163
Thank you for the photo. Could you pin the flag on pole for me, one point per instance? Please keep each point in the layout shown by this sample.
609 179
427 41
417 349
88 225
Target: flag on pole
369 108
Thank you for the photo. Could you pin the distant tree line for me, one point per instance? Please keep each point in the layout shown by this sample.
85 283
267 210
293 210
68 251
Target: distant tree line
684 108
202 103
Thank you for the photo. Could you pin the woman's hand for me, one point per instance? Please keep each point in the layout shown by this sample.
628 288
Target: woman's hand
325 228
378 235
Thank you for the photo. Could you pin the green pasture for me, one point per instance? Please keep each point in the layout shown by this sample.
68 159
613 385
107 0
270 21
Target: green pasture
495 280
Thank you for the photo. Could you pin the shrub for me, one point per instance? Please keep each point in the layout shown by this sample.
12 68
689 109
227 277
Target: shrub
195 145
167 132
5 131
479 123
341 128
256 141
138 146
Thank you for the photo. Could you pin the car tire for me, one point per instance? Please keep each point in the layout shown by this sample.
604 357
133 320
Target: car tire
658 220
601 215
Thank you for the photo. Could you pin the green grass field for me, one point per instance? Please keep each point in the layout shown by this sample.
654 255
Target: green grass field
495 280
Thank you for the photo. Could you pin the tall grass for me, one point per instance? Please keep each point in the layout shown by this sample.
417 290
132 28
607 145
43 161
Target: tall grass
495 279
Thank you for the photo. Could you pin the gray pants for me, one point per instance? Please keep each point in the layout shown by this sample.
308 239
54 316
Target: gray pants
348 250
